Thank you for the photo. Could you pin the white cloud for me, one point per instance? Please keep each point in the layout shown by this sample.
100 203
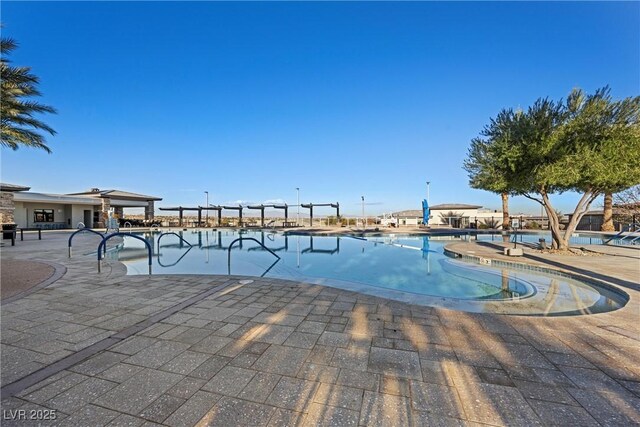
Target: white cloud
237 202
274 202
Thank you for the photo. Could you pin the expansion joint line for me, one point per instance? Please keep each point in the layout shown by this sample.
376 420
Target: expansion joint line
75 358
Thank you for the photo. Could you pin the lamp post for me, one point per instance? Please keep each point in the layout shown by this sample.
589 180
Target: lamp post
298 198
207 205
364 225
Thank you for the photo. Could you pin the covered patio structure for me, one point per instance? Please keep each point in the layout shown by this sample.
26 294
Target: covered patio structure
237 208
181 210
262 208
310 206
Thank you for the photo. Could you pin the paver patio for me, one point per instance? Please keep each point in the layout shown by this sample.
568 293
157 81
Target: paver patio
249 351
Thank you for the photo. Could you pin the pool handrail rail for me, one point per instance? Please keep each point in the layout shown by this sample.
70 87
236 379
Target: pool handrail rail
175 263
118 233
175 234
627 228
85 229
240 239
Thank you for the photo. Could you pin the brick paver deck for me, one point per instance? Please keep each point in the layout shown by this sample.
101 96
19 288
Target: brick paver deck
249 351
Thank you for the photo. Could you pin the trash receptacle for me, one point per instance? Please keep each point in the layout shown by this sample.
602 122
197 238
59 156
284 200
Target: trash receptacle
543 243
8 230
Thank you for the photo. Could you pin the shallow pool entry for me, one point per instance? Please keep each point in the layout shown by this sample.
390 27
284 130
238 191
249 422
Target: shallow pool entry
404 268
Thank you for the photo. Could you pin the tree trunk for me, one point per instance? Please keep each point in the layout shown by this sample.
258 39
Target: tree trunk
554 223
607 223
505 210
560 240
581 208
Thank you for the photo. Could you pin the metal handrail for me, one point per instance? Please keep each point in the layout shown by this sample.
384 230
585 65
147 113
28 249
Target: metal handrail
85 229
175 263
175 234
125 226
625 229
239 239
270 267
104 243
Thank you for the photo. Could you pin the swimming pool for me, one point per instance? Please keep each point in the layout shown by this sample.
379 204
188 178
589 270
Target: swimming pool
406 268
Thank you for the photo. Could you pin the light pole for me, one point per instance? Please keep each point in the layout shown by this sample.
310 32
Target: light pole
298 214
207 205
364 224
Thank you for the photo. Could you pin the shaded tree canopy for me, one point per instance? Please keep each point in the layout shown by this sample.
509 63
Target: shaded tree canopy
588 144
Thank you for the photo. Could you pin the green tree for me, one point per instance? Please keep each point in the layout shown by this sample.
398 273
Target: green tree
18 123
587 144
486 162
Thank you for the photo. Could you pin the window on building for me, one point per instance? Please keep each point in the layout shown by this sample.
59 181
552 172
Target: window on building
43 215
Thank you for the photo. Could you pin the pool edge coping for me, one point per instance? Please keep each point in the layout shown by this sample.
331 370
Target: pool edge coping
613 287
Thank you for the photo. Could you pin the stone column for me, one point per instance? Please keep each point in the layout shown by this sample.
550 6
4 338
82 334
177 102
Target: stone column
104 216
148 211
118 212
7 207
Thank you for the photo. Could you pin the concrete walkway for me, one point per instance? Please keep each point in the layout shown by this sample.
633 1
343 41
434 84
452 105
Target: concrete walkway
111 349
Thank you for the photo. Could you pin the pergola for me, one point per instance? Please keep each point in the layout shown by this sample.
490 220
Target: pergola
262 207
211 208
237 208
310 206
181 210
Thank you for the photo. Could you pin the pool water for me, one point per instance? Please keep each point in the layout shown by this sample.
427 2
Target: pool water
406 268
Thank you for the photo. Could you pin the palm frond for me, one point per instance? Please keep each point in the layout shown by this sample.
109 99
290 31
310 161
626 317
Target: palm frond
19 125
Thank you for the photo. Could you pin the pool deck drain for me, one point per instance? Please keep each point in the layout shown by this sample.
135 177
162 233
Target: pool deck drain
275 352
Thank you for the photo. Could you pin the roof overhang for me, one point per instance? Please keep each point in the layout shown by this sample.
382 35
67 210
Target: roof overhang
13 187
124 203
28 197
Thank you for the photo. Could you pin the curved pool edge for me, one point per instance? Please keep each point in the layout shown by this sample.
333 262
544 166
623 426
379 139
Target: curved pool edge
494 262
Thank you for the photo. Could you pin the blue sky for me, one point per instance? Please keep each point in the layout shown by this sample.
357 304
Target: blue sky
250 100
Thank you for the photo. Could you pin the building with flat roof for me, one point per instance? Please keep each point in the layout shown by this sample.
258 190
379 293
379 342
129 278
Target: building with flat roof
455 215
30 209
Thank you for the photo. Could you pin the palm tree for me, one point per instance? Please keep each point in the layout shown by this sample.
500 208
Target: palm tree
491 223
451 218
506 222
18 126
607 223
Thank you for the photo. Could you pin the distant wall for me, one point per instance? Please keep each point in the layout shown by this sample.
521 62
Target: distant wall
470 216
